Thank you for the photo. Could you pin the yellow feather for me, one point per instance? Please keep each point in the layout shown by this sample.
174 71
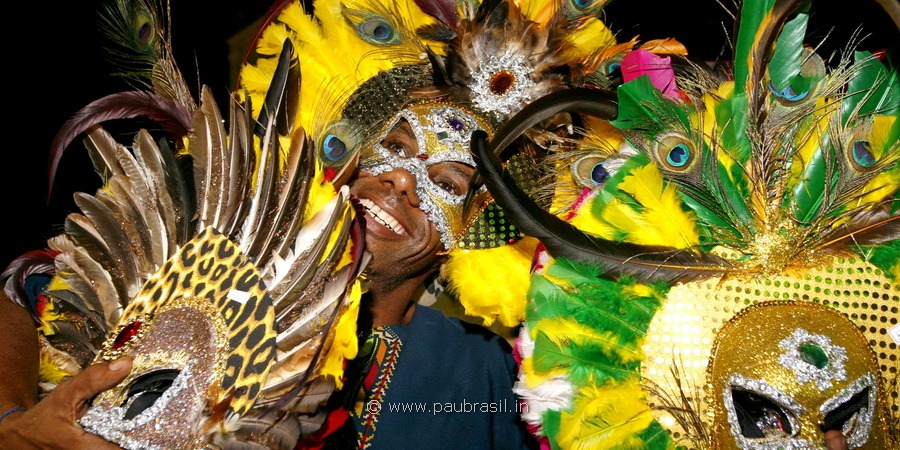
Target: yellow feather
587 222
344 345
811 134
49 371
662 221
492 283
881 133
335 60
561 331
589 38
533 378
624 411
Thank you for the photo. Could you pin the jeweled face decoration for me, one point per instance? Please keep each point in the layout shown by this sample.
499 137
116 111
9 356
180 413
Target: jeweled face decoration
785 373
443 133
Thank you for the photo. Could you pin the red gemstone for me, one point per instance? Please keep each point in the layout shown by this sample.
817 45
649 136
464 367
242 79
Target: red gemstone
422 156
501 82
330 173
127 334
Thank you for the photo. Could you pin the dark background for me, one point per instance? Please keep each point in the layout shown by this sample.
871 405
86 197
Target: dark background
56 66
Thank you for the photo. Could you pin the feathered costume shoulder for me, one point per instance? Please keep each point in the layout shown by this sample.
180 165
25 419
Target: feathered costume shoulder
730 278
219 257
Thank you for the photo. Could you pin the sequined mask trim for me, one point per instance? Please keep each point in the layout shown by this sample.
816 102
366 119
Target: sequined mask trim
443 134
857 432
798 356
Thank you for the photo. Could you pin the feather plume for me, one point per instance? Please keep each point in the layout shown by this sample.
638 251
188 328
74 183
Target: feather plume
30 263
565 240
786 170
140 47
171 116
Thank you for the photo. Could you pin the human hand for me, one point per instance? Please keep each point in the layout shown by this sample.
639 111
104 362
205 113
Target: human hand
53 422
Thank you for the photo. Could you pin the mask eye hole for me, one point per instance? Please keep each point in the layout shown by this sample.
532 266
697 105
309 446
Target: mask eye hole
846 417
759 417
147 389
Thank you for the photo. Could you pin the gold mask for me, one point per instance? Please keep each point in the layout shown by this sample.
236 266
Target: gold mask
783 373
443 133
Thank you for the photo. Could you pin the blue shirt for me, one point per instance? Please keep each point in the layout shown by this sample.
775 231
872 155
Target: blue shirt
439 382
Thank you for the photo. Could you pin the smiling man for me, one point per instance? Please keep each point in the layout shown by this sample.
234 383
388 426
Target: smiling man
422 379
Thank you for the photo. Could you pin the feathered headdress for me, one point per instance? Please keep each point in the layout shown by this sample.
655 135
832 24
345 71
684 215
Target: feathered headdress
491 59
231 248
730 281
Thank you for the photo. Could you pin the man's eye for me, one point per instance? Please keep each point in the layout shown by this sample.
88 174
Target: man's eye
397 148
449 187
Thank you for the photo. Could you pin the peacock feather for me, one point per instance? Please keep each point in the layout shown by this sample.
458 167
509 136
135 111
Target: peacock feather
776 187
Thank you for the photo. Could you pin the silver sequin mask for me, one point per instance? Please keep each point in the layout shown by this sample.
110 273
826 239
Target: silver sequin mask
443 134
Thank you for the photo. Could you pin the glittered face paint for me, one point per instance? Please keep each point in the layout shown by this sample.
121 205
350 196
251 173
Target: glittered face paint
442 134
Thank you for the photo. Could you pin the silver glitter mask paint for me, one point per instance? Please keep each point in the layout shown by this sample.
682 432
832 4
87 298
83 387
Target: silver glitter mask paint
443 133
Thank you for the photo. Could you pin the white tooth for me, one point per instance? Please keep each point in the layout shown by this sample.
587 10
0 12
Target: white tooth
382 217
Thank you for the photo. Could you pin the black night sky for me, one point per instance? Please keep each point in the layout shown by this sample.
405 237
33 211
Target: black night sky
57 66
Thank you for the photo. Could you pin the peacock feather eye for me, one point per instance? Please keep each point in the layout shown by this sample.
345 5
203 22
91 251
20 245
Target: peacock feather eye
582 4
378 32
145 33
788 95
334 148
501 82
599 175
861 154
613 66
679 155
802 87
674 151
340 140
591 171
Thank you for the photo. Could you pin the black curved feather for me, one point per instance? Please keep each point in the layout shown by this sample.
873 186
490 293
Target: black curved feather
562 239
173 117
578 100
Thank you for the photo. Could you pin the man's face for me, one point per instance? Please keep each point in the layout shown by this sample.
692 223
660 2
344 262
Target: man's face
404 239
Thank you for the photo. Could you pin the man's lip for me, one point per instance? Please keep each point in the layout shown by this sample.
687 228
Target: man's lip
382 218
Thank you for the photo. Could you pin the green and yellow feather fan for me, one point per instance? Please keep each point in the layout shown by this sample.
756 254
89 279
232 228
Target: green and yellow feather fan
734 283
339 45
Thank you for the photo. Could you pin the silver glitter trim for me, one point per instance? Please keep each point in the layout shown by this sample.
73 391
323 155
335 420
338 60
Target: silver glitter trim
805 372
857 432
110 423
517 95
762 388
455 147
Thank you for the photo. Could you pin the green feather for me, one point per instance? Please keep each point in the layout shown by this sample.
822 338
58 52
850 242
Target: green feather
784 67
731 115
642 107
873 89
885 256
656 437
809 192
583 363
752 14
550 425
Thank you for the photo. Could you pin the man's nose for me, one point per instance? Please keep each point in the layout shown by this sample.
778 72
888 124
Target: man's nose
404 183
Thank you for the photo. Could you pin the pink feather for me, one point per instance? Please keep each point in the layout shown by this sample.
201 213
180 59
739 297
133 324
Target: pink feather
642 62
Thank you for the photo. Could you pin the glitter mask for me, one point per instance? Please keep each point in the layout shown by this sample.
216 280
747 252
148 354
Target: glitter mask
443 134
201 335
807 369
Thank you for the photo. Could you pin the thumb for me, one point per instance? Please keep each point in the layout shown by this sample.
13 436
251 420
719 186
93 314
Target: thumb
94 379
